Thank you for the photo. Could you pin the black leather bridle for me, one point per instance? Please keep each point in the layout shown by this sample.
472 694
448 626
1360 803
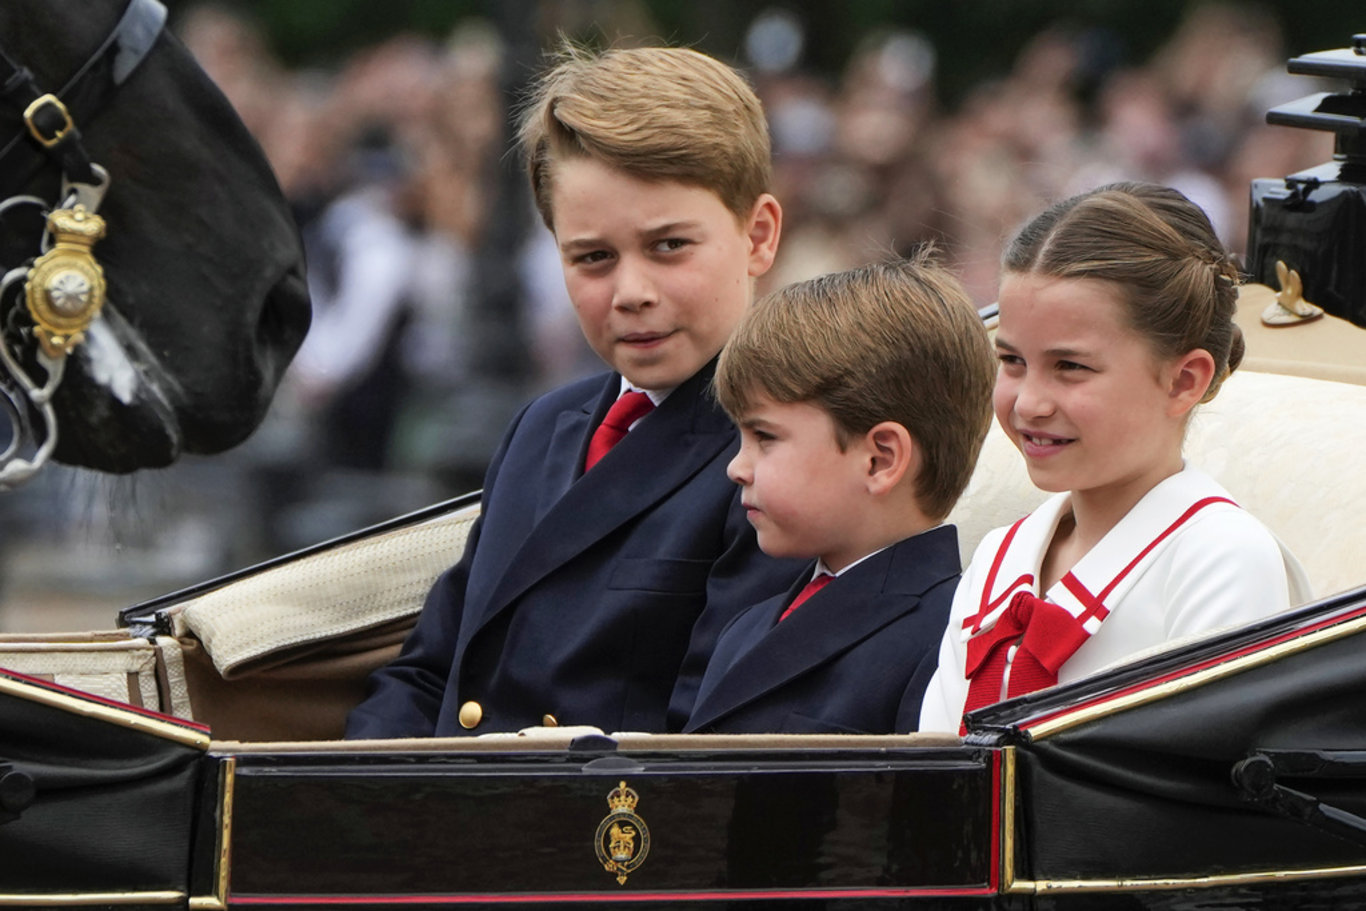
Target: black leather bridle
64 287
48 121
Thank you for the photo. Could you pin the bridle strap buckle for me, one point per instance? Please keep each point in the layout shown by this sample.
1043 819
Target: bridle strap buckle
52 131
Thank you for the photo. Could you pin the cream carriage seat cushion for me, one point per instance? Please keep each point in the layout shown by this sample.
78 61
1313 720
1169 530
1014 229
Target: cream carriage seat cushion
346 589
1290 449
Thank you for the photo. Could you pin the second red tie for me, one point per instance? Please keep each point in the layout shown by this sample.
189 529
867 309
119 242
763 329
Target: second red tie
807 591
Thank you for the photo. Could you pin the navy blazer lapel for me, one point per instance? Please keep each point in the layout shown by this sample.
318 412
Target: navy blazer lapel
569 444
741 635
867 601
674 442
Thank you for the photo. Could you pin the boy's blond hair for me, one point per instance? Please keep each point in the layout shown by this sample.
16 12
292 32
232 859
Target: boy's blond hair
656 113
897 341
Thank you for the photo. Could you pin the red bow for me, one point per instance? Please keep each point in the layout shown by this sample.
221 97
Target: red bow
1047 636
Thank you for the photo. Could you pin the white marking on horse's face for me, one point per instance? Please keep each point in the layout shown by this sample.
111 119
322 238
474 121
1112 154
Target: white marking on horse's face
108 362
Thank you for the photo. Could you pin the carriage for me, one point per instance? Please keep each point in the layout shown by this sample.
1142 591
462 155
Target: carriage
193 755
191 758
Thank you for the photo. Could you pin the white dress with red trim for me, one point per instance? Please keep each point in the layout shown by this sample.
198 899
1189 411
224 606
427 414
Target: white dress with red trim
1185 560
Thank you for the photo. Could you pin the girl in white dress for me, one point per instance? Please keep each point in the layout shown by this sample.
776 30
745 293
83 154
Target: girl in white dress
1116 320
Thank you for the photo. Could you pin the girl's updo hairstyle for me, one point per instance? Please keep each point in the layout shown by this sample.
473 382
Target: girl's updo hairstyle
1159 250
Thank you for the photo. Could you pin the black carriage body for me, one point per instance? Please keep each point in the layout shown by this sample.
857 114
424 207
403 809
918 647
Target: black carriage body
1138 780
97 799
530 827
1112 792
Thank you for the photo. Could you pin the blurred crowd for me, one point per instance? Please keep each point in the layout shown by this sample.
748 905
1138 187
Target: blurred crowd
388 159
873 164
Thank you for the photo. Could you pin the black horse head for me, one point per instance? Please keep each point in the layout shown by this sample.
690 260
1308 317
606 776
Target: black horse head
207 300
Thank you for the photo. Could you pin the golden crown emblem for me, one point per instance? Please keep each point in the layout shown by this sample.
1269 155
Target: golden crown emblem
622 799
623 839
76 226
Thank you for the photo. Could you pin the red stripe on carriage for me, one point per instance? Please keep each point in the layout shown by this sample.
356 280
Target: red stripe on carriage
601 898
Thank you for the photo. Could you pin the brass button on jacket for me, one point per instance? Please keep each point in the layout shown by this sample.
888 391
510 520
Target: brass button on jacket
471 713
549 721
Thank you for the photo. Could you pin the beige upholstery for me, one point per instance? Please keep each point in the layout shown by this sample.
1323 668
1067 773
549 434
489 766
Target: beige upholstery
285 653
1291 450
340 591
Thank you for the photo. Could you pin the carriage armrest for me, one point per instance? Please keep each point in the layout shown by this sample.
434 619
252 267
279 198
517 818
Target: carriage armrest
279 615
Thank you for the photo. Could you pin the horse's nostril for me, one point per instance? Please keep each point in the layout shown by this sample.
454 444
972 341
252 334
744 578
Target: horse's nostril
284 320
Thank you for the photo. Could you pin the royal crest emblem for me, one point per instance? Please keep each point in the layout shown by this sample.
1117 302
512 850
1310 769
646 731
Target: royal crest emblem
623 839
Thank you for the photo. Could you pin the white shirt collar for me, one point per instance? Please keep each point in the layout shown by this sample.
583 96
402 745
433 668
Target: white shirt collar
822 568
657 396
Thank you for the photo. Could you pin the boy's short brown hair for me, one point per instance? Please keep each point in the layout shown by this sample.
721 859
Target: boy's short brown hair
896 341
656 113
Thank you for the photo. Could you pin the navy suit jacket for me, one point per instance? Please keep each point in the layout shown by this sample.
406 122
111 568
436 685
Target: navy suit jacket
854 658
595 598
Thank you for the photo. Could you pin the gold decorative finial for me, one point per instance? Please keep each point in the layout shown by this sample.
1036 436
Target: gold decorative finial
1289 308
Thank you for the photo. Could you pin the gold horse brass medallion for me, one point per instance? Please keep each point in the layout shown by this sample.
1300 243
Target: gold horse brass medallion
623 838
66 286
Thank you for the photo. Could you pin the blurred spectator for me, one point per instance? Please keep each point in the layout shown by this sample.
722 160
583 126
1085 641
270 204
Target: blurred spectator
232 49
361 261
1140 138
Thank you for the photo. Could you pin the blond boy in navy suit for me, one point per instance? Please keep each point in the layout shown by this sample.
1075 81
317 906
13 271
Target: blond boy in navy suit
593 586
862 399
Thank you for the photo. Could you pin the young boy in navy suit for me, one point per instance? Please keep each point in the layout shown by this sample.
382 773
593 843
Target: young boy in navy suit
611 548
862 398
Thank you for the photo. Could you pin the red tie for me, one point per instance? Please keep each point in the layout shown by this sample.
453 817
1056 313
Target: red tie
807 591
625 411
1047 636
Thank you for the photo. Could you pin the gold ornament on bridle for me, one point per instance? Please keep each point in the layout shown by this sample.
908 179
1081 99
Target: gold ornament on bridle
65 287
